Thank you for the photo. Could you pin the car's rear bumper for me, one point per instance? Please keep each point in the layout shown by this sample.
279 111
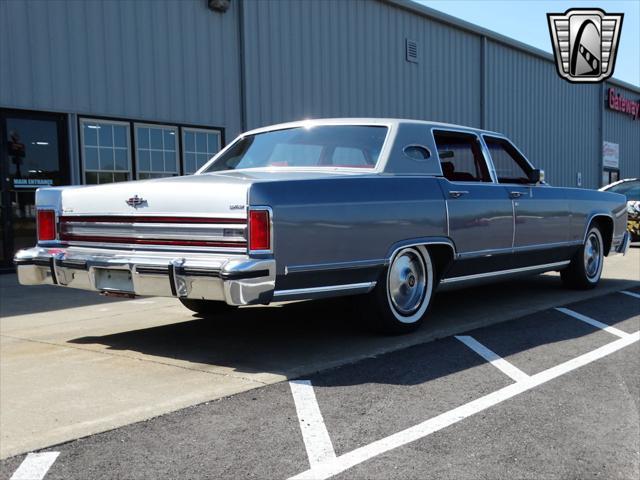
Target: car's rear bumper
234 279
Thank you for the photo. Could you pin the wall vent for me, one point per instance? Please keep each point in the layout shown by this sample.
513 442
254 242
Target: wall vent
411 48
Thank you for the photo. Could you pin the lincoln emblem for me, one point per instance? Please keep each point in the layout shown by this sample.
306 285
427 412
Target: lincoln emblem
136 201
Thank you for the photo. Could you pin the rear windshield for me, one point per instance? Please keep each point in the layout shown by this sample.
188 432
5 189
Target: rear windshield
330 146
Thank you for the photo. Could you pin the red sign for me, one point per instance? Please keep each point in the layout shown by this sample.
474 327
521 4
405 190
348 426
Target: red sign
624 105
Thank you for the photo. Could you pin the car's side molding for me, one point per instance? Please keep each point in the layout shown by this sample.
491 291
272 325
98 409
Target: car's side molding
289 269
499 273
373 263
422 241
322 291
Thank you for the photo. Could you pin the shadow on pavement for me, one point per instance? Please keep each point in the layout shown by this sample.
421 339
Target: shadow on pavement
289 338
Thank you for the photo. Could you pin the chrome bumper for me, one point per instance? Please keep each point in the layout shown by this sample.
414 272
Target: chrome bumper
236 280
623 246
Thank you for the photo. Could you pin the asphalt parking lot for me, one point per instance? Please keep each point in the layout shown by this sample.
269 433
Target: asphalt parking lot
299 390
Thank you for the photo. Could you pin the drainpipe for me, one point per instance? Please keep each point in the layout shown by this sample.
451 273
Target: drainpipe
241 61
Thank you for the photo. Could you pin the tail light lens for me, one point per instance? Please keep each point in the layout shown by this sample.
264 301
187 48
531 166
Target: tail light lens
259 230
46 225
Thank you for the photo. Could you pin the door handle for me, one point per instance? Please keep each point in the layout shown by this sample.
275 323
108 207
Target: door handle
457 193
515 194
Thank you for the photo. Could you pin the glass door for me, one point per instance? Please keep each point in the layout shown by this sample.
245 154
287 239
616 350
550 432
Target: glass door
34 154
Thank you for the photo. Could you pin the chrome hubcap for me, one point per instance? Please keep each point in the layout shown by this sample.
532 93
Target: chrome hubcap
407 280
592 255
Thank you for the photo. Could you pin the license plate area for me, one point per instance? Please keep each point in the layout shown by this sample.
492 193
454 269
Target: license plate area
112 280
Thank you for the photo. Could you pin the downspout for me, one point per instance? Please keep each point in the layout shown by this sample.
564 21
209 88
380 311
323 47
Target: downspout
483 83
241 62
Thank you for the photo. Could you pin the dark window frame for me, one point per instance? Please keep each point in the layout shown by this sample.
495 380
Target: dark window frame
480 160
514 153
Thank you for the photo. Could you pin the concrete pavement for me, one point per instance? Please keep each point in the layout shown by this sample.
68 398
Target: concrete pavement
74 363
474 419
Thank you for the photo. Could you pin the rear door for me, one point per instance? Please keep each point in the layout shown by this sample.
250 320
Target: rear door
480 211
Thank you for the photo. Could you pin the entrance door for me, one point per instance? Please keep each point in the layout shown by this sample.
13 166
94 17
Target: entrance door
33 154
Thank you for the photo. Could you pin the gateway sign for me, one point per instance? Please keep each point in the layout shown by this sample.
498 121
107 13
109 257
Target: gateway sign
622 104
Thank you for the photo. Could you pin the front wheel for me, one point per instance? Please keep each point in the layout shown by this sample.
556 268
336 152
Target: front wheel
585 269
403 293
206 307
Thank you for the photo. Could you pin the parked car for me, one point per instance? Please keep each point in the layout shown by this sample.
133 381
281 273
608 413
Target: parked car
385 209
630 188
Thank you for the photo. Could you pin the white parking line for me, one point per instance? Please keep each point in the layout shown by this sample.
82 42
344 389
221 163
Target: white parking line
35 466
493 358
631 294
591 321
314 432
340 464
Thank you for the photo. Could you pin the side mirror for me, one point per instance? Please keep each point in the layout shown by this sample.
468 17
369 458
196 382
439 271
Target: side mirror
536 176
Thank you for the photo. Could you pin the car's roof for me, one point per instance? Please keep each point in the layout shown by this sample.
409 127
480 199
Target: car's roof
624 180
365 121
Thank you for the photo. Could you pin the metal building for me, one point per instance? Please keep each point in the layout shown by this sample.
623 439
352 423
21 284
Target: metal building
102 91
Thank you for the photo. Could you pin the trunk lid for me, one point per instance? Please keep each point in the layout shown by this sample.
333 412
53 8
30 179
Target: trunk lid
195 195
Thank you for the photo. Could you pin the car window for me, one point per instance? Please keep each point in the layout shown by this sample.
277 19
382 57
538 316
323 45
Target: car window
332 146
511 167
461 157
349 157
630 189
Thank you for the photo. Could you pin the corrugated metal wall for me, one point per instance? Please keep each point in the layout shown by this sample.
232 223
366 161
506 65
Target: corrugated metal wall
347 58
555 123
622 129
170 60
177 61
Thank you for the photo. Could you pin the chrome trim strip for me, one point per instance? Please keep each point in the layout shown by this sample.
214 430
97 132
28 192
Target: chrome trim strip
446 208
425 243
335 266
325 289
547 266
513 222
139 248
525 248
167 231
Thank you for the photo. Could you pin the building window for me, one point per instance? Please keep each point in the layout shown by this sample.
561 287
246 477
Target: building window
198 146
106 152
156 151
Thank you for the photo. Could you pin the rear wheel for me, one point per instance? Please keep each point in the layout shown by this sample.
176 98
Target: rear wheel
206 307
403 293
585 268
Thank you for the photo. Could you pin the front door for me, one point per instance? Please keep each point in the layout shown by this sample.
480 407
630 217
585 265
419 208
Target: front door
33 154
542 218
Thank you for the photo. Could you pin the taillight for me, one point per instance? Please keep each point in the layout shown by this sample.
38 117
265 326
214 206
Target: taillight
46 225
259 230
